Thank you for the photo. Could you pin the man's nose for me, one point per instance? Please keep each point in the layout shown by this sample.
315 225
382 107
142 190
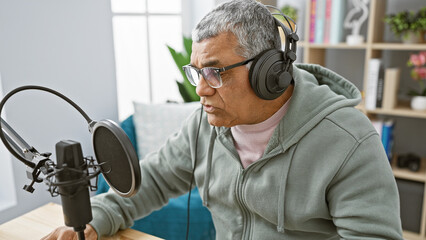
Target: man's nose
203 88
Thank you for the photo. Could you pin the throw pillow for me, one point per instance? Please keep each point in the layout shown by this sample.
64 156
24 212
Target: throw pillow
154 123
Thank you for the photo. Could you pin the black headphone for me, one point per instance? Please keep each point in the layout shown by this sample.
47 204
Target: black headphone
272 70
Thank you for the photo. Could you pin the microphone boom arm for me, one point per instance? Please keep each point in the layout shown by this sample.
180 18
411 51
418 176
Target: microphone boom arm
18 143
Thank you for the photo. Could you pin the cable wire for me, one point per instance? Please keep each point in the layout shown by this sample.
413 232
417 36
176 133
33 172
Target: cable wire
192 176
34 87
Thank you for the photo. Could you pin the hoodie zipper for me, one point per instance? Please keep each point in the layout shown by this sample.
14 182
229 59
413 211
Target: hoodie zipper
239 188
242 205
247 215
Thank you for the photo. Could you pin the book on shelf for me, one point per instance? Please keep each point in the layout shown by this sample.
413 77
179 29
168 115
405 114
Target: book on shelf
385 129
327 22
387 137
373 75
380 87
390 93
338 9
312 21
319 21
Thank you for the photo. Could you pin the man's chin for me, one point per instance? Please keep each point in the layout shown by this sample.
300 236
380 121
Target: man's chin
216 121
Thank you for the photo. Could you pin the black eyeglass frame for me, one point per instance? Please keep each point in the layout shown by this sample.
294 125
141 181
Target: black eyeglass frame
217 70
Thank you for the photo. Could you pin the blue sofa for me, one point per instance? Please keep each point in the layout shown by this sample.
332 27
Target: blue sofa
170 221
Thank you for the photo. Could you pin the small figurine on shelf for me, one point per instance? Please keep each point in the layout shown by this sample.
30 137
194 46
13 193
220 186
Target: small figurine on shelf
418 73
351 21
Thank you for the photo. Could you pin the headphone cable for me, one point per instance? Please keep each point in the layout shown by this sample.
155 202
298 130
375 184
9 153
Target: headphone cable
192 175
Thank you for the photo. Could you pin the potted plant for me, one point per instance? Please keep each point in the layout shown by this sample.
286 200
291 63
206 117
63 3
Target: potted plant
186 89
418 73
289 11
409 25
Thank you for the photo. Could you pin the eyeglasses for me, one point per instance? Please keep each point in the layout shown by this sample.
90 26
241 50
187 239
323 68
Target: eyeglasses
210 74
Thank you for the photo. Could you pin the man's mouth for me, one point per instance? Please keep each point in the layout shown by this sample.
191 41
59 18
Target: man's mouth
208 108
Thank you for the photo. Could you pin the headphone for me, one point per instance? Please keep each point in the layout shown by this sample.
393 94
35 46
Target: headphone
271 71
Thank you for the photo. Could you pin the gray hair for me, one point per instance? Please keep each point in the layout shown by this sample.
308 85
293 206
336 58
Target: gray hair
250 21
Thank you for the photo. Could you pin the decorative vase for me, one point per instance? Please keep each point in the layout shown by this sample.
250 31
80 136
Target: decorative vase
418 103
413 37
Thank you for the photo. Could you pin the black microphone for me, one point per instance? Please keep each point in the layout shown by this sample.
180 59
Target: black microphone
71 172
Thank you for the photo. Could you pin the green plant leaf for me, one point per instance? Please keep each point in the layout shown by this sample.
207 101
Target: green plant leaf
187 43
187 91
183 92
180 60
413 93
191 91
407 21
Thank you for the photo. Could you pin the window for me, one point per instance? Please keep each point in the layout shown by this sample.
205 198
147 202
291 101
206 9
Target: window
145 70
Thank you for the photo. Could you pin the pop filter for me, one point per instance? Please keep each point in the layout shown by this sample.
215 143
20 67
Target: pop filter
118 159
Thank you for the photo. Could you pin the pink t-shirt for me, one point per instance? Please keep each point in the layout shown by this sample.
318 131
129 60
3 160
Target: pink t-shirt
251 140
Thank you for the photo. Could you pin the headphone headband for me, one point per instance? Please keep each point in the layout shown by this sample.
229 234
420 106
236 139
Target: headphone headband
272 70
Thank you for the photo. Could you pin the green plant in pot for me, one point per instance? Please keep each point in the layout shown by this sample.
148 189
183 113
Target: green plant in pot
186 89
408 25
289 11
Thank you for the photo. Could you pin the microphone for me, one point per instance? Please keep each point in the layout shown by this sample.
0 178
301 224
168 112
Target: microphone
70 176
75 197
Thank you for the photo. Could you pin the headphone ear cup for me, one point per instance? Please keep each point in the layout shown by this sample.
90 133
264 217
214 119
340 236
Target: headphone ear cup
267 74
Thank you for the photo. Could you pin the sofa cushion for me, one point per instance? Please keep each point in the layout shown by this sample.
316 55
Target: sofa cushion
129 128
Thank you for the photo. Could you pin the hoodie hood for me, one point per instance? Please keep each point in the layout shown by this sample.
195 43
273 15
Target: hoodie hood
317 93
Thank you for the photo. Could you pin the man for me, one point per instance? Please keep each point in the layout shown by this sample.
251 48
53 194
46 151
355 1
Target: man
304 165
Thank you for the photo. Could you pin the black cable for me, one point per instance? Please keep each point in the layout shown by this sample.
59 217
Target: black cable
33 87
192 176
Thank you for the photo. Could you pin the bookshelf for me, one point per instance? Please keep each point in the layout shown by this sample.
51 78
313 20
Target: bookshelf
373 47
402 110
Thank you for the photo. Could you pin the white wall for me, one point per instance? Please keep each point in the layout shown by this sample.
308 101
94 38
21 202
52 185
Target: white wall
193 12
7 190
67 46
64 45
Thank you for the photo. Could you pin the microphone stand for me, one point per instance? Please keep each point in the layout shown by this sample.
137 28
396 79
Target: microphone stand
71 172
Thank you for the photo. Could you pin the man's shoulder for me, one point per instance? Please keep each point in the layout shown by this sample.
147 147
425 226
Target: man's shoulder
352 120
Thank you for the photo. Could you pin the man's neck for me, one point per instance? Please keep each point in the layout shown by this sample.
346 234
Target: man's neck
272 106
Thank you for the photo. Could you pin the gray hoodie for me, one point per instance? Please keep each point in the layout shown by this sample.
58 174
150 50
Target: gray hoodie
324 173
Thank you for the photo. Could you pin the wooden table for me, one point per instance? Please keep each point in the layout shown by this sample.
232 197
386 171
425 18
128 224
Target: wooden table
41 221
